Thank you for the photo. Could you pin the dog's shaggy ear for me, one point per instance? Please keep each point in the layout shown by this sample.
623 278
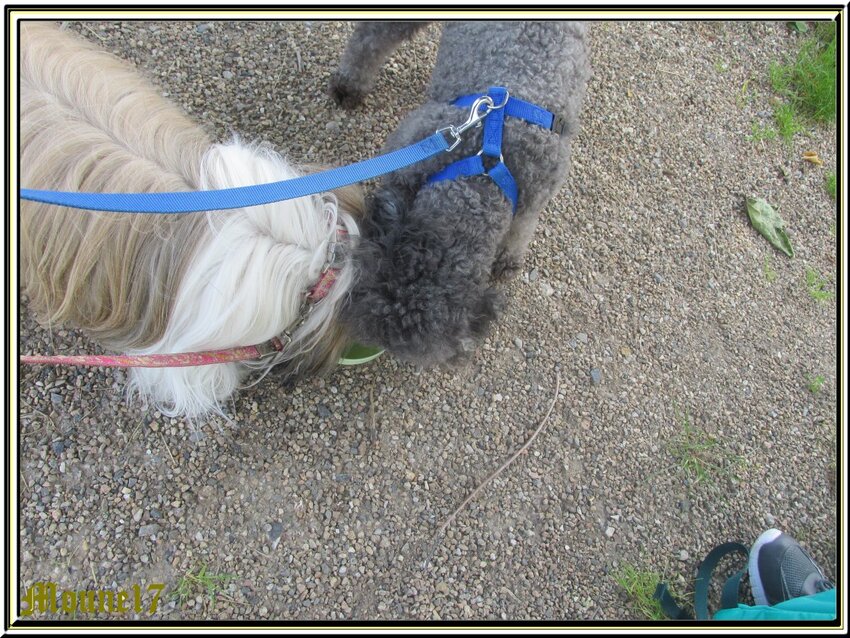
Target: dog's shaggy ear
385 211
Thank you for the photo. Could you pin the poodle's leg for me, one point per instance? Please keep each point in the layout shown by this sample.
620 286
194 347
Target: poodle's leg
511 253
369 47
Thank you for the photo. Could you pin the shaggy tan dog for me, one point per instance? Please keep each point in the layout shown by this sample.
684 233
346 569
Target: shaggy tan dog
142 283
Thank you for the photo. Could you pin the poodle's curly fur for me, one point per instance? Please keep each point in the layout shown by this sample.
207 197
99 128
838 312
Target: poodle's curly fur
432 252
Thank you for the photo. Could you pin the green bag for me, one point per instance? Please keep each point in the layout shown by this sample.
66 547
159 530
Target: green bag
817 607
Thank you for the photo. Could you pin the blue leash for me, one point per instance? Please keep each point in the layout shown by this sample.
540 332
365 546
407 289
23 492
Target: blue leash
496 103
255 195
243 196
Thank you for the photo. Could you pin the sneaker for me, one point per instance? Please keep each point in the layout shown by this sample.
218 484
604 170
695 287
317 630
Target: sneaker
780 569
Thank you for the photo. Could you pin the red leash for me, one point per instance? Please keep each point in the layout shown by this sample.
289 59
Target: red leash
184 359
179 360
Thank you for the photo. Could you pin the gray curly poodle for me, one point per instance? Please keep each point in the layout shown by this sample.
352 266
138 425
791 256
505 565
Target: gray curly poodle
432 251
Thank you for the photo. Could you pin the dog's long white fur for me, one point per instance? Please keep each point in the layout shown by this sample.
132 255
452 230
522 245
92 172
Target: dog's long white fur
246 281
165 283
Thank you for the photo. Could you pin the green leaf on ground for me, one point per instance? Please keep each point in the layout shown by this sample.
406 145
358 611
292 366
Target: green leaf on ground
769 223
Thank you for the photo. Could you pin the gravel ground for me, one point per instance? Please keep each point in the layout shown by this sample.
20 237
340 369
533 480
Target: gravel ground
645 291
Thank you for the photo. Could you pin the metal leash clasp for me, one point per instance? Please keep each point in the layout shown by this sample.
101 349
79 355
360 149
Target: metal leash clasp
474 119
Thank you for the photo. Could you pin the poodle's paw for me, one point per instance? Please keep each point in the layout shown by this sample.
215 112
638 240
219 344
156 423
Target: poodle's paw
345 92
506 266
462 357
458 364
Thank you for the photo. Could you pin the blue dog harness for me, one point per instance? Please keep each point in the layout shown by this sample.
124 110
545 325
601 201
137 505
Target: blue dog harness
494 124
497 104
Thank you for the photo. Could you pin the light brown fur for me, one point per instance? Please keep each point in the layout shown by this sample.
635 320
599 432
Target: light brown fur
90 122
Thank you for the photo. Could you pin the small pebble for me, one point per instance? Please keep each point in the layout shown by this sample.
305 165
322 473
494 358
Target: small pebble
148 530
276 530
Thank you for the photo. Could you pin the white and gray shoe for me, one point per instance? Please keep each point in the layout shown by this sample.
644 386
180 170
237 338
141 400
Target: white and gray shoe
780 569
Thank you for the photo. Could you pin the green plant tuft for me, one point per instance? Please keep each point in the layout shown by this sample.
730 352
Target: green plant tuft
814 77
761 133
815 284
807 85
700 456
815 383
193 583
769 272
787 122
640 587
831 185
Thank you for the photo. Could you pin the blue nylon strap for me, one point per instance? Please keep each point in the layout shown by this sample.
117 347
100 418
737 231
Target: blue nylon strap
466 167
473 165
515 108
244 196
530 113
503 178
491 146
493 125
